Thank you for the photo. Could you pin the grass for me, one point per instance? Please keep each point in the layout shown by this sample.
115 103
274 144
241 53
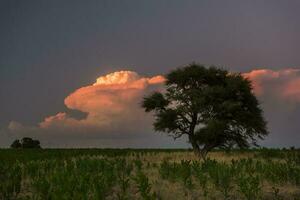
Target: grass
148 174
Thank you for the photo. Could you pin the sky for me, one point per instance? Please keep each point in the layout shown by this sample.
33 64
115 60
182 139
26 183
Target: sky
72 73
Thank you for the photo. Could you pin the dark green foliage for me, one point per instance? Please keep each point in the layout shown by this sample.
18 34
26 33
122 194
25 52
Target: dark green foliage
167 170
117 174
186 173
10 181
16 144
30 143
138 164
144 186
213 107
222 176
26 143
177 171
201 176
271 153
250 187
124 171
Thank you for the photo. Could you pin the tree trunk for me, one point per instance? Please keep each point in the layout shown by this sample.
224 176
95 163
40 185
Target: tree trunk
203 154
200 153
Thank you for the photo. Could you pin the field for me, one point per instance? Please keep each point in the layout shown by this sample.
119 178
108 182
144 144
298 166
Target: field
148 174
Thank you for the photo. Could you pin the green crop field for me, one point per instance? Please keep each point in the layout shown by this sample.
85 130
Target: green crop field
148 174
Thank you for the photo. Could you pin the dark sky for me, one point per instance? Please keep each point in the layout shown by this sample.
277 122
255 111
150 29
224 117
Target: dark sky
50 48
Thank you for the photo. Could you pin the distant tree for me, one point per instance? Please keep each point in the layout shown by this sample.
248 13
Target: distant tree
26 142
213 107
16 144
30 143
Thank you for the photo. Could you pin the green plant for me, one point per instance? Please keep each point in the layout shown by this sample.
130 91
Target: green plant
250 187
138 164
221 175
202 177
123 172
144 187
42 186
185 174
11 178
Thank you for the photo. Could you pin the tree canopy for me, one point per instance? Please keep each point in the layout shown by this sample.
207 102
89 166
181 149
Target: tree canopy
25 143
213 107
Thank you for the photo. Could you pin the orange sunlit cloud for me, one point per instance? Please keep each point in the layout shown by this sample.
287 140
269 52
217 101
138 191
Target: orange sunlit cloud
292 90
112 101
258 76
284 83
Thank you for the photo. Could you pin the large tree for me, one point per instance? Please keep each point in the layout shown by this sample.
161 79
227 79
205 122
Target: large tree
213 107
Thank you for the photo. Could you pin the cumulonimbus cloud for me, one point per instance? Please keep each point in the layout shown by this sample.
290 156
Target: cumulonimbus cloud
112 101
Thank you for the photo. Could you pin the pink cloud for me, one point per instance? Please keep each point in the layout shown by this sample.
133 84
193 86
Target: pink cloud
284 83
112 101
258 77
292 90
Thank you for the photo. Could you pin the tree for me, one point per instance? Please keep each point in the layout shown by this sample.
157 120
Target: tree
26 143
30 143
16 144
213 107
